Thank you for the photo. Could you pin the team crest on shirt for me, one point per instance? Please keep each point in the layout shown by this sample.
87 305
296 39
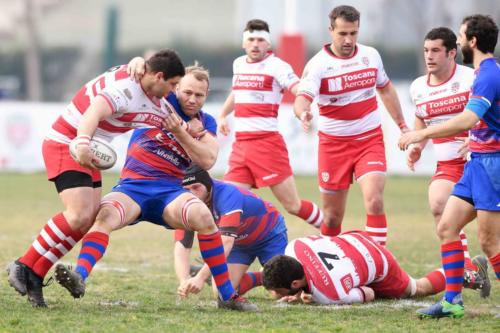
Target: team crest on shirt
455 86
325 176
347 283
365 61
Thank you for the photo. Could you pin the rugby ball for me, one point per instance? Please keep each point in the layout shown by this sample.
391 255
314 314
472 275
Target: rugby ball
104 154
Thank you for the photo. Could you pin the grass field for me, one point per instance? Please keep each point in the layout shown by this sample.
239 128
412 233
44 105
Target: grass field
133 287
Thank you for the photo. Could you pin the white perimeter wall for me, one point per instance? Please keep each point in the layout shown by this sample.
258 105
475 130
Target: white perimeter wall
23 127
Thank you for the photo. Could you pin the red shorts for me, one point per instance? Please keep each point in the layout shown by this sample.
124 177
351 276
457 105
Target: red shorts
260 162
396 281
450 170
341 158
58 160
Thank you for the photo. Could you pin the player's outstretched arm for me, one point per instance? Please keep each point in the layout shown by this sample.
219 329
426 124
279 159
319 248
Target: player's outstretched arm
389 97
302 110
227 108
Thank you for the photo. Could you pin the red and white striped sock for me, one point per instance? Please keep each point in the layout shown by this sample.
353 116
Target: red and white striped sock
54 232
310 213
467 260
43 265
376 227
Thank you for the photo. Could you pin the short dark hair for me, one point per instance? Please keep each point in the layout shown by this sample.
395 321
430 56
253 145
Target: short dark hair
446 35
484 28
166 61
348 13
257 24
280 271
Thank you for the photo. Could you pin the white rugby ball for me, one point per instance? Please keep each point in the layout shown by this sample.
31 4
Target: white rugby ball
104 154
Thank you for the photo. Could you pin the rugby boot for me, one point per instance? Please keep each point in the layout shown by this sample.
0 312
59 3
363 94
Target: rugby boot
70 280
443 309
34 290
237 303
18 276
481 263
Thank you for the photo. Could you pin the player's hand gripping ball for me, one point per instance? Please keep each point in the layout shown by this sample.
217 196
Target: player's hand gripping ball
104 156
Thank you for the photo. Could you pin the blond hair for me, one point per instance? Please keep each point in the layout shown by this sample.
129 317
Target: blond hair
199 72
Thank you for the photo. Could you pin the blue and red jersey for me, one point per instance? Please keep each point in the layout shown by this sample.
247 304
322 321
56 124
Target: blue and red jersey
485 102
243 215
155 154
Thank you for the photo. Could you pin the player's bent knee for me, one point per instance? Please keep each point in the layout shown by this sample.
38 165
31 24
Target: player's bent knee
111 216
489 244
197 217
80 219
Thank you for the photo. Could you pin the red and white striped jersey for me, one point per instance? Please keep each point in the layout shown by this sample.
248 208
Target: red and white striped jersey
438 103
132 108
345 88
335 267
258 90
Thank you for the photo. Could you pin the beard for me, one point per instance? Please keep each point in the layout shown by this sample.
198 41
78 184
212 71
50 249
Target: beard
467 55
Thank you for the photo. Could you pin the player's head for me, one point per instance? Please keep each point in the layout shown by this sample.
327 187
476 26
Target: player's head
256 40
440 50
164 69
198 182
344 28
192 90
283 275
477 32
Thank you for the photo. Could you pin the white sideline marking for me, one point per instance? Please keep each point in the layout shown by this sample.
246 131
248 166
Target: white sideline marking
396 304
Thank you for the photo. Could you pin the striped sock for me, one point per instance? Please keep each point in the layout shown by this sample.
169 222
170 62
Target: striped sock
94 245
330 231
437 280
310 213
468 262
495 263
452 256
248 281
43 265
376 227
212 251
54 232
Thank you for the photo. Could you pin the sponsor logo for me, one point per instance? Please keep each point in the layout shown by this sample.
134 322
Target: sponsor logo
352 81
325 176
365 61
252 81
270 176
454 87
437 92
350 64
127 93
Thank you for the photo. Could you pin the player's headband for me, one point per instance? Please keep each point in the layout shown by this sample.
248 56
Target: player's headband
195 174
257 34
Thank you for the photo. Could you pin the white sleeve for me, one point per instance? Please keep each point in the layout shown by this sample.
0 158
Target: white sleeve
114 93
382 78
310 81
285 76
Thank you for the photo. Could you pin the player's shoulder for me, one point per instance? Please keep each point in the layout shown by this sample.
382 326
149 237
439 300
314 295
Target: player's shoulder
419 83
365 50
241 60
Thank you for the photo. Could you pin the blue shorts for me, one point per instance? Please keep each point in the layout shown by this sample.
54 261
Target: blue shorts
152 196
480 183
273 245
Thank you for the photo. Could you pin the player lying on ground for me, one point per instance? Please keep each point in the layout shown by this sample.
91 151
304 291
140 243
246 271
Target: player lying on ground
344 269
150 190
103 108
254 229
439 95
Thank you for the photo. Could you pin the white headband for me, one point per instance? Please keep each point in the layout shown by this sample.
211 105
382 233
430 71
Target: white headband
257 34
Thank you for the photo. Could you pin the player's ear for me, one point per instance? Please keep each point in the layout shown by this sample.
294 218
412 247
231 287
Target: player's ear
296 284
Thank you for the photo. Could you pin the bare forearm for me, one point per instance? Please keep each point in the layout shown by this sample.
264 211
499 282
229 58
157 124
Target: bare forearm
228 106
301 105
181 260
202 152
463 122
390 98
